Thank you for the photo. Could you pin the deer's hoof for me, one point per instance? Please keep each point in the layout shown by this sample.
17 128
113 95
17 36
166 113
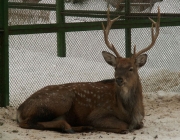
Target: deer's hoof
87 128
124 132
69 131
141 125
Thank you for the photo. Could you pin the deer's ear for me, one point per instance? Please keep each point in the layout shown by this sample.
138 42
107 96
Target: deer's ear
109 58
141 60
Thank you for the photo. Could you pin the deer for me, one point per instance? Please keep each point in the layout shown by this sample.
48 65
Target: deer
111 105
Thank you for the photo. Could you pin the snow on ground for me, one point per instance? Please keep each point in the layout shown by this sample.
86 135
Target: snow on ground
33 67
161 122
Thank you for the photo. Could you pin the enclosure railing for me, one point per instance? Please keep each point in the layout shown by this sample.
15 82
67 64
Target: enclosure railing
128 21
4 62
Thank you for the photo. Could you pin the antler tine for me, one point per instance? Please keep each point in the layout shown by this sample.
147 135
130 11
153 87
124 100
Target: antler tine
106 33
153 36
134 50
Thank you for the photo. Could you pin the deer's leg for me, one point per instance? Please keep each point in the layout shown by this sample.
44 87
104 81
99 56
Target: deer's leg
103 120
29 124
110 124
64 126
60 125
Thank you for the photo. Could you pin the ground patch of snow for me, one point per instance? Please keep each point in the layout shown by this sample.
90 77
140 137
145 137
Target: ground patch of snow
161 122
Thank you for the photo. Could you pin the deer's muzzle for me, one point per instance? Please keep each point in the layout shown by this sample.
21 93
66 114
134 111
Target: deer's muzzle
120 81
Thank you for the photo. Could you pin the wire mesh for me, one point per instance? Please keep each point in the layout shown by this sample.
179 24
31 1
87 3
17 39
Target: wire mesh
26 16
92 5
34 62
87 5
143 6
162 69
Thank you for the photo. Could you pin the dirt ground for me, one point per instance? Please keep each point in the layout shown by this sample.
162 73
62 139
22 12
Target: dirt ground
162 121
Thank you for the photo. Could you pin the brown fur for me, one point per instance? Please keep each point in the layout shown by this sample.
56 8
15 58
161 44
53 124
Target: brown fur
108 105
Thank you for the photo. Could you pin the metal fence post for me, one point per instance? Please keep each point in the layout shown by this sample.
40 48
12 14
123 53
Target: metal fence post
127 30
61 43
4 62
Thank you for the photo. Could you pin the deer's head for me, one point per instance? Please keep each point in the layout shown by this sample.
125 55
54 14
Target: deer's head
126 69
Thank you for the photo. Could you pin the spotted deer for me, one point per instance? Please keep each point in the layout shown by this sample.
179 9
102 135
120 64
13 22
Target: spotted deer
113 105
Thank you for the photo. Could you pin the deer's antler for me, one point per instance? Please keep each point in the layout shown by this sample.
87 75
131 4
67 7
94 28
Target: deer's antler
153 36
106 33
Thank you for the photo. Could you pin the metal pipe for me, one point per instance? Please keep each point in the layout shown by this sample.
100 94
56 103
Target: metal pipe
4 59
61 41
127 30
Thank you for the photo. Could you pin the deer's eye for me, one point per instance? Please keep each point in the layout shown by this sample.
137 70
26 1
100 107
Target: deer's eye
131 69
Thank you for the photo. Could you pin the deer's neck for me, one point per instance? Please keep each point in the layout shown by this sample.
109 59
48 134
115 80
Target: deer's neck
129 100
129 97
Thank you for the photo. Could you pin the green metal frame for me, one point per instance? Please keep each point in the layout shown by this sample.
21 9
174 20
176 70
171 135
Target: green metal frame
4 61
127 30
61 42
128 21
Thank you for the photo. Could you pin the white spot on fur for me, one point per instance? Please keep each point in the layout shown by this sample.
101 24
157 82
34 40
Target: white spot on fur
88 100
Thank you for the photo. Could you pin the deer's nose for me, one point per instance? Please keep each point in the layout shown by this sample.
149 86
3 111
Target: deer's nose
119 81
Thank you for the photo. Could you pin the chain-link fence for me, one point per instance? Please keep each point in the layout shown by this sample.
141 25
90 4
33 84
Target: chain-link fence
33 61
31 12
